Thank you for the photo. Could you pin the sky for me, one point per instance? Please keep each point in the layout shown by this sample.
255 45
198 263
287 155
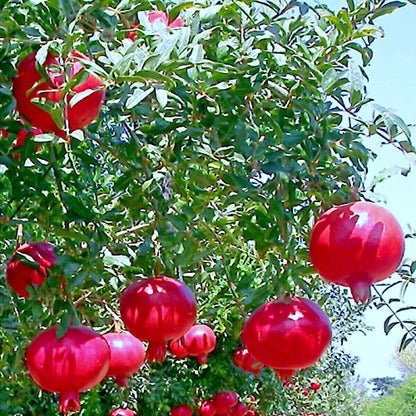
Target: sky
392 84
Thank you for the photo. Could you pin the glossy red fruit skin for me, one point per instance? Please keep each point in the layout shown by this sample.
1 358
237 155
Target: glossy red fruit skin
287 335
181 410
19 275
224 401
244 359
199 341
127 356
177 348
72 364
240 409
356 245
122 412
79 115
157 310
207 408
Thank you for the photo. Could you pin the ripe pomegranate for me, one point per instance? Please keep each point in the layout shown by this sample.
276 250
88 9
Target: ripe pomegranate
122 412
181 410
199 341
287 334
207 408
19 274
240 409
356 245
315 386
164 18
69 365
224 401
29 85
177 348
127 356
157 310
244 359
21 138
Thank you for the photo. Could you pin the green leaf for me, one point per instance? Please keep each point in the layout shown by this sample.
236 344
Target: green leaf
388 8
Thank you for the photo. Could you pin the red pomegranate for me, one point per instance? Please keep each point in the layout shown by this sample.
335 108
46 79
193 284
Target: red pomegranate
177 348
356 245
207 408
122 412
21 138
127 356
181 410
19 274
224 401
199 341
244 359
157 310
240 409
287 334
69 365
29 85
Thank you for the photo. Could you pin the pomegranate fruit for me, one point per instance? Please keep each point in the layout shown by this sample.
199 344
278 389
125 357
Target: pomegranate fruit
240 409
127 356
199 341
21 138
164 18
69 365
19 274
244 359
287 334
356 245
29 85
207 408
224 401
157 310
122 412
181 410
177 348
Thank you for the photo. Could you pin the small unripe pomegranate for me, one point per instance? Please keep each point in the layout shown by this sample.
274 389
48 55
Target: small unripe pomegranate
287 334
224 401
20 275
181 410
127 356
356 245
74 363
157 310
29 85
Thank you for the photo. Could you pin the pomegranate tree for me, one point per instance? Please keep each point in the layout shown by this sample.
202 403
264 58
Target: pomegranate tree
28 266
127 356
157 310
287 334
74 363
32 92
356 245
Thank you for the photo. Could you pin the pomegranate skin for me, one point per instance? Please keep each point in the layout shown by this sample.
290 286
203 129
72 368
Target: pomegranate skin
122 412
78 115
19 275
181 410
356 245
199 341
127 356
177 348
287 334
156 310
72 364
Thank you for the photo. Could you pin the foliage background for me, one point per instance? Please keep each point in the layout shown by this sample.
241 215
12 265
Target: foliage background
218 146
